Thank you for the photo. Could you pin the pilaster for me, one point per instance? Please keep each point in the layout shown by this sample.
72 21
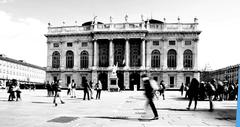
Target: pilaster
126 80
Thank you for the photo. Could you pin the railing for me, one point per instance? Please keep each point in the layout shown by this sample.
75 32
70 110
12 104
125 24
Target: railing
124 26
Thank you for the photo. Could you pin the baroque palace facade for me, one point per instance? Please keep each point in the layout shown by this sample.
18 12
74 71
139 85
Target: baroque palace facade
165 51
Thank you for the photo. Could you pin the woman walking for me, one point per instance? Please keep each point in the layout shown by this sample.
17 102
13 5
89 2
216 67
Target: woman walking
193 93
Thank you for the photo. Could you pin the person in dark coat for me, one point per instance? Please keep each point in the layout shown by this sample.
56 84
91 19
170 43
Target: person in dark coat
210 87
57 91
193 93
86 88
11 91
149 95
181 89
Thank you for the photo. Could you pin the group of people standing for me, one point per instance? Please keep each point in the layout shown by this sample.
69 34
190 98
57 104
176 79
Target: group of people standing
14 90
89 87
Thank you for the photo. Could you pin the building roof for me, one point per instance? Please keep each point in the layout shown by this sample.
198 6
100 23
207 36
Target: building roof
90 23
21 62
154 21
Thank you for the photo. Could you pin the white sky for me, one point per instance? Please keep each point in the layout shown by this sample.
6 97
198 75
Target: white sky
23 24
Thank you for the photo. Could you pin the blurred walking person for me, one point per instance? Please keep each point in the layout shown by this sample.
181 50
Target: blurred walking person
91 89
193 93
149 95
57 91
11 91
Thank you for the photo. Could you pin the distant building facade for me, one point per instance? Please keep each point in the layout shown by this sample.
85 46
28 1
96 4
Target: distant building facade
229 74
21 71
165 51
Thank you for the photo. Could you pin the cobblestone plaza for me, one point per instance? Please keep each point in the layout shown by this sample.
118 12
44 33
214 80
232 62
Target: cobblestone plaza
115 109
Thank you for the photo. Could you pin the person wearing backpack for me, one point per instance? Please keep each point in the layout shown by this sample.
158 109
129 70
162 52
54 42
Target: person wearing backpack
149 94
211 92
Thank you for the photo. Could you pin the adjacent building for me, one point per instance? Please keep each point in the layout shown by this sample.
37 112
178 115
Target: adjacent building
165 51
229 74
21 71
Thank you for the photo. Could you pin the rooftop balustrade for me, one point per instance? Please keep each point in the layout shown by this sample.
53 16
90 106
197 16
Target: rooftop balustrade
124 27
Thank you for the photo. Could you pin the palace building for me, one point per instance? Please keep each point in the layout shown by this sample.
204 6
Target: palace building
164 51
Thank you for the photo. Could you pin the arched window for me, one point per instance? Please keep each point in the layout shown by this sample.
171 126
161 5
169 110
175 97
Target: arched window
69 59
155 58
172 58
187 58
56 59
84 59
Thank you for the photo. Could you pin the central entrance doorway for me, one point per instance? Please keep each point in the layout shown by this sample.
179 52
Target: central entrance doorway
134 80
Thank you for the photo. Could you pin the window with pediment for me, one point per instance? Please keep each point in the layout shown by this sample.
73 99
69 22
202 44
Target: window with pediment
135 54
55 59
155 58
84 59
187 58
69 59
172 58
119 53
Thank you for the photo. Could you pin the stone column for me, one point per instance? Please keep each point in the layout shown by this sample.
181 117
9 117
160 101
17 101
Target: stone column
195 55
148 54
95 53
179 54
165 51
143 54
111 53
127 53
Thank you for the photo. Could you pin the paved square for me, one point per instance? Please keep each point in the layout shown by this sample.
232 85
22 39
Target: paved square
114 109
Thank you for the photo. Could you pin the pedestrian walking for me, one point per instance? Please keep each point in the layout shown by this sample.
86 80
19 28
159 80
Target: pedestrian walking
98 88
57 91
211 92
162 89
73 87
85 89
181 89
48 86
202 91
11 91
149 95
69 89
91 89
18 91
193 93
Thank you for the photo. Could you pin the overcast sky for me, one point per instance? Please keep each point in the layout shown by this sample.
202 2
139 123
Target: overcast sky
23 24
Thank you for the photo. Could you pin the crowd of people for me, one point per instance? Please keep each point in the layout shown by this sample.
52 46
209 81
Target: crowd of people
212 91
